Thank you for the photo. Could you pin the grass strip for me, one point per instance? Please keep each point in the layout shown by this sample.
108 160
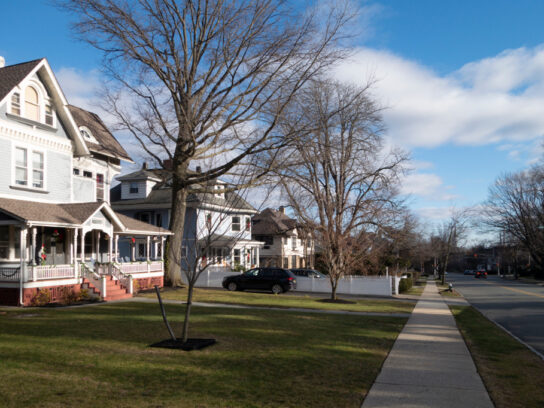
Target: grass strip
511 372
286 301
99 356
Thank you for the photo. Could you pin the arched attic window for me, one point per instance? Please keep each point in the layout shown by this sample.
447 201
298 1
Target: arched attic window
32 104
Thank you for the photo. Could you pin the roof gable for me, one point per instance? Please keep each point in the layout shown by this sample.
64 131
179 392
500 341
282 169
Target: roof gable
13 75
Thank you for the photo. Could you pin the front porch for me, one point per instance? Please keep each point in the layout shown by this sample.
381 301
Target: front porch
69 258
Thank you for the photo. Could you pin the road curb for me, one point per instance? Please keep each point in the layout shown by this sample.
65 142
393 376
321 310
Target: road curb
500 326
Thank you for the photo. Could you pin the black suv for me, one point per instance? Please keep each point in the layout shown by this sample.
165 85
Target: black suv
277 280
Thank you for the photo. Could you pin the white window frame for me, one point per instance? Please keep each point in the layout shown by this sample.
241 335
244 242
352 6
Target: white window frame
90 137
29 166
11 110
239 223
137 188
43 101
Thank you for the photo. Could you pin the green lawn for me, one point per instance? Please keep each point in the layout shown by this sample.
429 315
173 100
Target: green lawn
98 356
285 301
512 373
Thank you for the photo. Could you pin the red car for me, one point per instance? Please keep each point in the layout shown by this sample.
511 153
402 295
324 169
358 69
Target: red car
480 274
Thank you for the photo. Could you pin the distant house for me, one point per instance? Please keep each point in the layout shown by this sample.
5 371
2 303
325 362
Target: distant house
286 244
57 229
217 227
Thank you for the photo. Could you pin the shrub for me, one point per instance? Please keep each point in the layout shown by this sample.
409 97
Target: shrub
69 296
405 284
42 298
84 294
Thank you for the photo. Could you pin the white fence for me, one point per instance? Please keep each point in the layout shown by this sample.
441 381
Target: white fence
351 285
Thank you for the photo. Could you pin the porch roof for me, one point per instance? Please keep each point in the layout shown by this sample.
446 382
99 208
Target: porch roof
136 227
72 216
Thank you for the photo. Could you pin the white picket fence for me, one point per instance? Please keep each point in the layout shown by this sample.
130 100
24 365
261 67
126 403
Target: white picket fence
351 285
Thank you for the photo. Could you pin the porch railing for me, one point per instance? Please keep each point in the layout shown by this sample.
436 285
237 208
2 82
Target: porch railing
144 267
54 271
10 274
155 266
123 278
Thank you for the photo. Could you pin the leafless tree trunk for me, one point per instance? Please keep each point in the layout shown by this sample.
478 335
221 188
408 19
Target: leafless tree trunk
199 80
338 181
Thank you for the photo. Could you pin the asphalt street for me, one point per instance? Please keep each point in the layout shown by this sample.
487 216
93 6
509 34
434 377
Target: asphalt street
518 307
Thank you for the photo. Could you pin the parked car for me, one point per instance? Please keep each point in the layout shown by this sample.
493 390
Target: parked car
468 272
308 273
481 274
277 280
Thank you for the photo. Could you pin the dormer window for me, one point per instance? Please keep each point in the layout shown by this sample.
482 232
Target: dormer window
133 188
87 135
34 105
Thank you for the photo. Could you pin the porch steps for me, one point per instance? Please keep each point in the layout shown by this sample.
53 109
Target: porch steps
114 290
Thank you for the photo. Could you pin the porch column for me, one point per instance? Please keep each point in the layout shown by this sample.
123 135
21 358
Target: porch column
33 255
97 246
257 260
22 252
82 245
110 249
132 251
116 248
162 248
147 247
155 248
74 245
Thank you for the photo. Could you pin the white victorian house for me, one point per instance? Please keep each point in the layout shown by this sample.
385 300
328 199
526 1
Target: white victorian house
57 229
217 228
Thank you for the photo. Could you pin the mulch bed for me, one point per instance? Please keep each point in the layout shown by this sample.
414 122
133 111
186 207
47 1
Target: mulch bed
339 301
190 344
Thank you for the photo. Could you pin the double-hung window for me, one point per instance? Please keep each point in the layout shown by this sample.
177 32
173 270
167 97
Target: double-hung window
25 168
21 166
37 169
236 223
16 104
49 115
32 104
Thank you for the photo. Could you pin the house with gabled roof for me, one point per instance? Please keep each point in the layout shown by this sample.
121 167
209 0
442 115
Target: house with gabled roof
58 231
217 227
286 243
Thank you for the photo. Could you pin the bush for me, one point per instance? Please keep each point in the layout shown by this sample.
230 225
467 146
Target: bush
84 294
69 296
405 285
42 298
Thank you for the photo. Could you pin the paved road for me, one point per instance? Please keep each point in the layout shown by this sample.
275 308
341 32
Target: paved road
518 307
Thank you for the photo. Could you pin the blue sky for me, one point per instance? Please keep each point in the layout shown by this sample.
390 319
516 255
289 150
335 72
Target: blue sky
462 81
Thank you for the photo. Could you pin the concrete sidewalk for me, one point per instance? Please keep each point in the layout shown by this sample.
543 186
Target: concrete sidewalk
429 364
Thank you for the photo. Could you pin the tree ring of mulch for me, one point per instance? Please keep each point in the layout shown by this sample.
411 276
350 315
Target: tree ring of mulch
190 344
339 301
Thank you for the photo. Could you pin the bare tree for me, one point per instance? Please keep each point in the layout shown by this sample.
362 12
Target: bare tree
206 79
447 239
213 232
337 178
515 207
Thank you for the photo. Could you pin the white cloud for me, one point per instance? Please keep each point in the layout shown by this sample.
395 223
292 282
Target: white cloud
486 101
80 88
426 185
